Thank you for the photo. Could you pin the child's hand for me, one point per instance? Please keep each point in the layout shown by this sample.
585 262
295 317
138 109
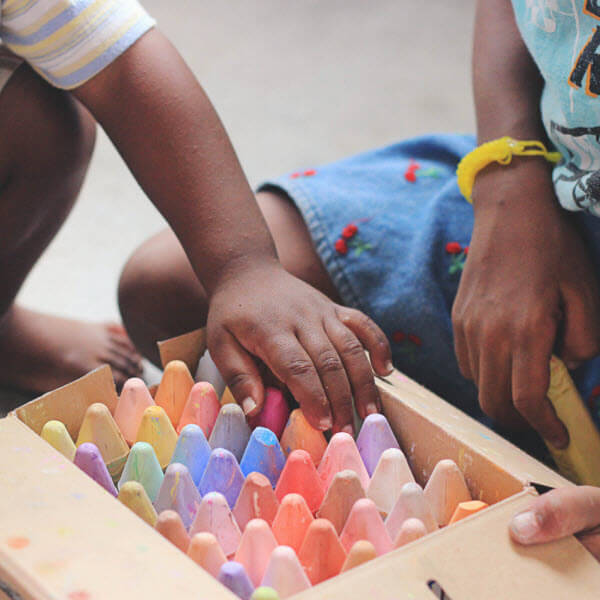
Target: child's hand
527 277
561 512
312 345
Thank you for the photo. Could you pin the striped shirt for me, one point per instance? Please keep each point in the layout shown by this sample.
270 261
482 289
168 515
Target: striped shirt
68 41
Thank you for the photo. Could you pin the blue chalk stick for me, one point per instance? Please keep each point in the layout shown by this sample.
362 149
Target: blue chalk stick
193 451
230 431
263 454
222 474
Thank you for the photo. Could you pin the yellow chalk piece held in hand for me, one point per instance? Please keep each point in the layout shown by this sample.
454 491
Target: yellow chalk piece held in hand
580 460
100 429
56 434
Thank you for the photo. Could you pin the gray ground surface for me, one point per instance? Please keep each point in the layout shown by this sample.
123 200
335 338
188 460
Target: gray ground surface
296 83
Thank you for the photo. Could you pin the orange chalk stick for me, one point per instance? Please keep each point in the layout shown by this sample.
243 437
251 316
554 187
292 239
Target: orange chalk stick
174 389
201 408
299 476
205 551
156 429
133 401
365 523
344 491
341 454
445 489
466 509
100 429
410 530
170 525
361 552
299 434
292 521
257 500
322 554
255 549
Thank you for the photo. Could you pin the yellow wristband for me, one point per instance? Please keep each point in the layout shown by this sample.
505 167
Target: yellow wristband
501 151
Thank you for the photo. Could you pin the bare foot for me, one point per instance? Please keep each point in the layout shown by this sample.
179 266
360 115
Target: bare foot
41 352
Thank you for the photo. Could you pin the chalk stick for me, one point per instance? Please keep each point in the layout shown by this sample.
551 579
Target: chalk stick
299 434
56 434
201 408
344 491
142 466
274 414
133 495
230 431
263 454
193 451
445 489
257 500
255 549
133 401
411 503
322 554
156 429
299 476
174 389
222 474
292 521
284 573
466 509
90 461
410 530
234 577
342 454
170 525
178 493
361 552
374 438
205 551
365 523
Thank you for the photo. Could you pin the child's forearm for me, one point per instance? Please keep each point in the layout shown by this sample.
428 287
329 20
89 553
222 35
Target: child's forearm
507 84
167 131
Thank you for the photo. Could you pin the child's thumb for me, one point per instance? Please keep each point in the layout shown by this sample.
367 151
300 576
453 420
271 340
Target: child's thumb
556 514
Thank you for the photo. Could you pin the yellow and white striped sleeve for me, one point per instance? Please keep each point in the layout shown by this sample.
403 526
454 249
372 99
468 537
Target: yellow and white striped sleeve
69 41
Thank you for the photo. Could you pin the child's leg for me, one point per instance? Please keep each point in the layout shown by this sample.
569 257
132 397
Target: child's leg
46 141
160 297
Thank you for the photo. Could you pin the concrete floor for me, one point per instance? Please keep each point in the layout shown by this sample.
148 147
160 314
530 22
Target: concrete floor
297 84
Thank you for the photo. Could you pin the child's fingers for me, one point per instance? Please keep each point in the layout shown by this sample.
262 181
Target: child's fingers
558 513
357 367
371 337
530 381
581 339
461 350
239 371
333 376
288 360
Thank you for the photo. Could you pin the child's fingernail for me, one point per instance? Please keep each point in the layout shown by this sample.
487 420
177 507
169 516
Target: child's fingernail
389 367
348 429
371 408
325 423
248 405
525 527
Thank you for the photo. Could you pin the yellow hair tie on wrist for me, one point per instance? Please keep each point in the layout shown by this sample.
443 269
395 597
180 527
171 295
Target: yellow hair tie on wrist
501 151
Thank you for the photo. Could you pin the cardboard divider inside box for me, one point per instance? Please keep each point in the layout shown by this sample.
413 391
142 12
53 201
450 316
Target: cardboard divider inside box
62 536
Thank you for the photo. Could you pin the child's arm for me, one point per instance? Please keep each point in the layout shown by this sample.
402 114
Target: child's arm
561 512
528 275
165 128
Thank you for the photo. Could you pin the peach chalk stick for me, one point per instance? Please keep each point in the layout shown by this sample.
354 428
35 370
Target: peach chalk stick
374 438
284 573
445 489
178 493
365 523
299 476
274 414
322 554
170 525
361 552
133 401
292 521
344 491
466 509
254 551
214 516
341 454
411 503
133 495
99 428
56 434
201 408
299 434
391 473
231 431
174 389
205 551
411 530
156 429
257 500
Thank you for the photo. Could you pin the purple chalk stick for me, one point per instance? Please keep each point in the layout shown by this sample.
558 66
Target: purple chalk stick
233 576
222 474
90 461
178 493
374 438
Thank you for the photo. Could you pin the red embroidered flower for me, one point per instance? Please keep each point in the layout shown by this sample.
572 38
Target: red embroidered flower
410 176
341 246
295 175
349 231
415 339
309 173
596 392
453 248
398 336
466 250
